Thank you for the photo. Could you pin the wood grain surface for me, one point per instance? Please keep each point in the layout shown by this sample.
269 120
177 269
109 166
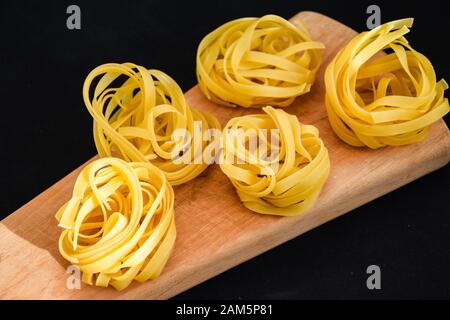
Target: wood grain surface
215 232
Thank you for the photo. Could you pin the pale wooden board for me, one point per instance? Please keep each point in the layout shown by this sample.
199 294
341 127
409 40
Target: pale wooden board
215 232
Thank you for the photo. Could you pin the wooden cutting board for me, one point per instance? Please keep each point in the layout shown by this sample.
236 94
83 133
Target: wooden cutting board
215 232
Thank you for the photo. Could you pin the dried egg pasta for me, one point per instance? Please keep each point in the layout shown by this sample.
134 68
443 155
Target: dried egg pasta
379 100
119 224
284 178
253 62
136 119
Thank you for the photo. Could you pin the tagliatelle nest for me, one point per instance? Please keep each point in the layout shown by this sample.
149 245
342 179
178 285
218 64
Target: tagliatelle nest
119 225
253 62
383 100
284 172
142 115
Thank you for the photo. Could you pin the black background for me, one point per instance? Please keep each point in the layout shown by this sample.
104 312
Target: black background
46 133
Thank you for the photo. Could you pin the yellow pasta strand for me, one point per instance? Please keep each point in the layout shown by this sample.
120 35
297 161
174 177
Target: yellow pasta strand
137 113
119 224
253 62
379 100
283 178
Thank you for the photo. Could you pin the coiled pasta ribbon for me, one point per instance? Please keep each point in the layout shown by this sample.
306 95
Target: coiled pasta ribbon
142 115
119 224
282 175
383 100
254 62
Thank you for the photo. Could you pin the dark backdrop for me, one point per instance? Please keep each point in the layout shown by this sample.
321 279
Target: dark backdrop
46 133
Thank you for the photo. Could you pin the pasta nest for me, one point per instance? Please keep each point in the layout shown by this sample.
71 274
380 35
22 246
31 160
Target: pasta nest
253 62
379 100
284 171
119 224
142 115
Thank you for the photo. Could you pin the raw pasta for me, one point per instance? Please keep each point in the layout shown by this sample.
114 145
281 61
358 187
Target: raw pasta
285 172
378 100
137 119
119 224
253 62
